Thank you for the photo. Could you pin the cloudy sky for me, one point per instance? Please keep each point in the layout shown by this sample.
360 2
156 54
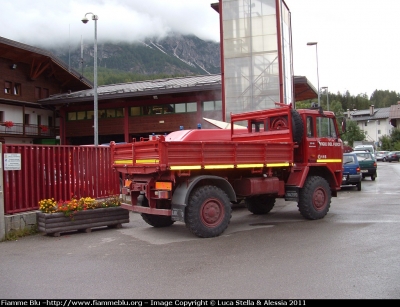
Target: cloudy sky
358 40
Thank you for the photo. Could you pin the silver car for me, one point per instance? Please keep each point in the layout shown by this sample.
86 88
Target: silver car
381 155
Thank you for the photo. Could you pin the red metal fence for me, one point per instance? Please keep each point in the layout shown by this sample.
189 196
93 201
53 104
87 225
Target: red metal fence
58 172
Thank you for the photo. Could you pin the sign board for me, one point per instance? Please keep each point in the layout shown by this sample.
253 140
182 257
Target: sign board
12 161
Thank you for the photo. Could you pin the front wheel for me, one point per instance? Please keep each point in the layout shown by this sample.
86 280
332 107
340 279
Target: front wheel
208 212
315 198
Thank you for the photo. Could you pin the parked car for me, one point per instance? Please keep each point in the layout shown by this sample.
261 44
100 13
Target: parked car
381 155
368 164
370 148
393 156
351 171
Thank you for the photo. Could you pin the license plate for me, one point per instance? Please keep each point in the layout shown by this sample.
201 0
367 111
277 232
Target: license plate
364 171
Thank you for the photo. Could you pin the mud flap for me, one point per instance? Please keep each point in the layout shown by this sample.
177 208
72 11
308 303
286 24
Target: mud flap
178 213
292 193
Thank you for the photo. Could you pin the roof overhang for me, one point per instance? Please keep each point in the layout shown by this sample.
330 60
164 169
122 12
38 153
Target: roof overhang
303 89
42 62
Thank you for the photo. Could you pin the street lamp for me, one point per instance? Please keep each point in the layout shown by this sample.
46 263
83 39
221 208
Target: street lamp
96 113
316 52
327 95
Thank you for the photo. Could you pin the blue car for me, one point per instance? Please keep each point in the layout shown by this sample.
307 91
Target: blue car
351 171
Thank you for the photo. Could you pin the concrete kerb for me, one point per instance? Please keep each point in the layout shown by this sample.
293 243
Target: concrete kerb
20 221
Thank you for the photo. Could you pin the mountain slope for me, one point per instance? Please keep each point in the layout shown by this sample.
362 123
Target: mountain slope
175 55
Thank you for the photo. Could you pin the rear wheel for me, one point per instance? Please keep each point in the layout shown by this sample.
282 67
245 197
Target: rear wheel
157 221
315 198
359 186
260 204
208 212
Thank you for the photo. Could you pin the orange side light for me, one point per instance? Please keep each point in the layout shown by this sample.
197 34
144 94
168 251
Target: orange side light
164 186
127 183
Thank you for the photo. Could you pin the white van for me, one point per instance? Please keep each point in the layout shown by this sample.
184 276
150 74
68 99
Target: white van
370 148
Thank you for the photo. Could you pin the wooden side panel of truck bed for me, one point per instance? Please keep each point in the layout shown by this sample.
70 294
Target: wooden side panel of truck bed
146 157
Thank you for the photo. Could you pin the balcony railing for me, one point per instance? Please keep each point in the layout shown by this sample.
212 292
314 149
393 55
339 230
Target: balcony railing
17 129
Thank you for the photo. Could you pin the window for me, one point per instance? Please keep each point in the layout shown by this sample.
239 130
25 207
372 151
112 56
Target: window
45 93
84 115
81 115
119 112
110 113
7 87
27 119
325 127
38 91
191 107
310 128
180 108
135 111
1 116
212 105
71 116
102 114
17 89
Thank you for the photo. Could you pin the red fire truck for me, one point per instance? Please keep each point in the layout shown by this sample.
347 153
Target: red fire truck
194 176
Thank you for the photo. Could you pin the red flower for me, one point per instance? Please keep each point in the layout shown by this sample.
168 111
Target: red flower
44 128
8 124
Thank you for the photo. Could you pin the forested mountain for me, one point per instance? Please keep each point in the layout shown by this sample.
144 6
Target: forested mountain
172 56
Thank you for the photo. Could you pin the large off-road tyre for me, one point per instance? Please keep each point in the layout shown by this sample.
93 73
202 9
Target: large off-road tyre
208 211
297 126
315 198
157 221
260 204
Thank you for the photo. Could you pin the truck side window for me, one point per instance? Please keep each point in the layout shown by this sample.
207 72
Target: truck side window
310 128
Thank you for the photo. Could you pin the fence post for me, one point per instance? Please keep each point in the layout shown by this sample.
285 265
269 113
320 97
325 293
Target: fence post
2 220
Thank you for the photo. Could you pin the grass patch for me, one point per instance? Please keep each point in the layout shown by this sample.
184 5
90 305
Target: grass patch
16 234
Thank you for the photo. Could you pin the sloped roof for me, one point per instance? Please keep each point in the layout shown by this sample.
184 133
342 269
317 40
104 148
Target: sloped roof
394 112
303 89
142 88
42 61
362 115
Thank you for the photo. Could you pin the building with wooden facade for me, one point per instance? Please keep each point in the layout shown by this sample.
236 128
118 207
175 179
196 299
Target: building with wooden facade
27 75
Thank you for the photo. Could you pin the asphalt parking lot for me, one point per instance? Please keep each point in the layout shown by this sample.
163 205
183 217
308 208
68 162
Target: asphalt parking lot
352 253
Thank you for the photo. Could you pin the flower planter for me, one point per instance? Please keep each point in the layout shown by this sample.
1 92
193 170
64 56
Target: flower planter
56 223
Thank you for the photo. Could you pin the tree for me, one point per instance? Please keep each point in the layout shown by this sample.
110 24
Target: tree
386 142
395 139
353 133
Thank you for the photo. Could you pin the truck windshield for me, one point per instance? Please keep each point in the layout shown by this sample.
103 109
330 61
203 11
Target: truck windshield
325 127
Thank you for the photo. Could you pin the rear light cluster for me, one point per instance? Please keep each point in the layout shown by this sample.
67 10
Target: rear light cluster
358 170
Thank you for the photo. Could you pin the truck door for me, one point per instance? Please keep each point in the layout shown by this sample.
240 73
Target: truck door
323 144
